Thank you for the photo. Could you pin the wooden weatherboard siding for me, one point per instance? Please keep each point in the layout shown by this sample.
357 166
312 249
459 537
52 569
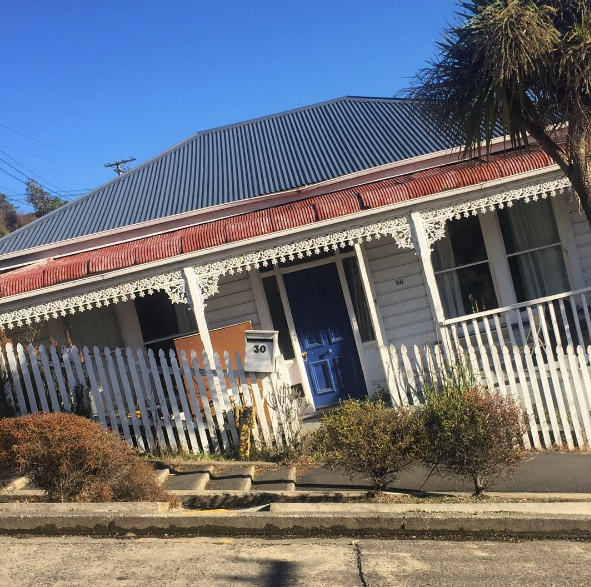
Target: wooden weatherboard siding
233 303
401 292
582 235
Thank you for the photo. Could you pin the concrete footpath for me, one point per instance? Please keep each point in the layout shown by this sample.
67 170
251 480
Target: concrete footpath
540 473
256 562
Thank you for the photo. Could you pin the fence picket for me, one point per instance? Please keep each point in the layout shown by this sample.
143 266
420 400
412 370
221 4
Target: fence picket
161 398
194 403
37 378
515 390
499 373
151 402
560 399
586 396
566 376
579 395
118 417
139 394
220 382
121 407
398 395
22 359
49 379
422 370
57 369
94 388
97 393
217 404
69 373
213 433
16 379
10 396
548 397
538 403
188 418
130 402
409 376
483 355
172 398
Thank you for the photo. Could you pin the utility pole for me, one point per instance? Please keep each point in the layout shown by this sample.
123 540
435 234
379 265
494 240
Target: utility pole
117 165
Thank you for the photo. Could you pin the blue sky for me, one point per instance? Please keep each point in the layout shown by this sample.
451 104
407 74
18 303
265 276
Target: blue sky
96 81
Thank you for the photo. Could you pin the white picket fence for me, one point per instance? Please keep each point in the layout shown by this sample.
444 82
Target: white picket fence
553 385
157 403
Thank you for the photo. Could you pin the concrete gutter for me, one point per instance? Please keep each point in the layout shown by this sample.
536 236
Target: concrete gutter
559 522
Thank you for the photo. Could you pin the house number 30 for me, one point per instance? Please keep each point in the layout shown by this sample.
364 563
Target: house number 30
399 281
259 348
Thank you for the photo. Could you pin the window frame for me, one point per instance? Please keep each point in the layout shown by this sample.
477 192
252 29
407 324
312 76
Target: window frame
498 258
489 261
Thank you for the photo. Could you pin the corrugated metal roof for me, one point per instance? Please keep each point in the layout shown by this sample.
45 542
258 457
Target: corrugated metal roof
282 217
253 158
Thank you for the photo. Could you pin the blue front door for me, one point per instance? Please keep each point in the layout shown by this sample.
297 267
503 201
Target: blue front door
325 335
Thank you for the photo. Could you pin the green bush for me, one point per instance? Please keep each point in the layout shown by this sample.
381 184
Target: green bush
74 459
367 438
471 431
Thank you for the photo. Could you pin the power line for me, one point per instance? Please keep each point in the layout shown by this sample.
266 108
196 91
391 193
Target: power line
31 171
13 176
7 190
31 138
25 175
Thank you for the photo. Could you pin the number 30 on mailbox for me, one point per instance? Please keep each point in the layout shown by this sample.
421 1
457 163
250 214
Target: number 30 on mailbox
260 351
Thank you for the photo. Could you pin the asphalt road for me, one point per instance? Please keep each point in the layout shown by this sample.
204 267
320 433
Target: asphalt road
271 563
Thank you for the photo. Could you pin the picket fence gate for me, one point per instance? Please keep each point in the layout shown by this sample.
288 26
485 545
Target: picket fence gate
157 403
553 385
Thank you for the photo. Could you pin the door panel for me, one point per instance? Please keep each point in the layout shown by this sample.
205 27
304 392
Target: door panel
325 335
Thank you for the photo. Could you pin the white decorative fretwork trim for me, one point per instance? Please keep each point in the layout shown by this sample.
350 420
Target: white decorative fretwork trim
172 283
208 275
434 219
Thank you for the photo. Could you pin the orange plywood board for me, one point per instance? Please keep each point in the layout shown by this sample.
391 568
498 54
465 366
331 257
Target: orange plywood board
229 338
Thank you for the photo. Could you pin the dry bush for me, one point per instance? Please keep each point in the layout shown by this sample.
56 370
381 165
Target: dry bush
73 459
473 432
367 438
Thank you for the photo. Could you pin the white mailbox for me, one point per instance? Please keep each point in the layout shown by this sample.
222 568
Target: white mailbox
261 350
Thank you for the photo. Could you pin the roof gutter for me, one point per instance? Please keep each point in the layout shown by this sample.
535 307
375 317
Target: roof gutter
230 249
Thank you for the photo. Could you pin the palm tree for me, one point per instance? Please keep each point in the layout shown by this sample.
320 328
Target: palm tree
520 67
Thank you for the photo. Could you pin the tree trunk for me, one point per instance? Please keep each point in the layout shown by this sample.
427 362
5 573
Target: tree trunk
576 163
580 168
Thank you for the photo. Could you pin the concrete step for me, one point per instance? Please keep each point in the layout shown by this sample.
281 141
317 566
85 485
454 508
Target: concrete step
232 479
194 480
282 479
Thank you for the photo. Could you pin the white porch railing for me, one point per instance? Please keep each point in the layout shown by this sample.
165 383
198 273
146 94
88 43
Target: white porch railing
158 403
553 387
557 320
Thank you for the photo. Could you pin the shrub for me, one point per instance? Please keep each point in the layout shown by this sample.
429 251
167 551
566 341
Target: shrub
472 432
74 459
367 438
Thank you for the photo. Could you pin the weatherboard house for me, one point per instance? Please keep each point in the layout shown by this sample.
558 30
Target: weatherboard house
348 226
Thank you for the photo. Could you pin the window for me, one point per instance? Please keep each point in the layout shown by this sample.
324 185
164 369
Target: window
534 251
278 316
99 327
161 321
358 297
462 270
